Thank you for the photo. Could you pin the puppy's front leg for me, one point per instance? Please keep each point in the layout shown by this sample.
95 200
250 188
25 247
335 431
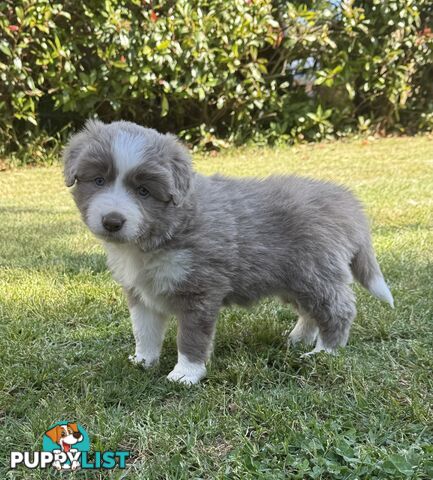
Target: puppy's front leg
194 344
149 329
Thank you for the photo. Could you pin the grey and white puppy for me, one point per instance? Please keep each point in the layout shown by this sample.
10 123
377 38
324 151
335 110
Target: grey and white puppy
185 244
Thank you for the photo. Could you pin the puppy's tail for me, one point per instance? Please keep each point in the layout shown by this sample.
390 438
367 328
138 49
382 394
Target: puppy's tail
367 271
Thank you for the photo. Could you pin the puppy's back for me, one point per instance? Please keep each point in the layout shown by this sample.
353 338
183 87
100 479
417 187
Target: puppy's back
296 205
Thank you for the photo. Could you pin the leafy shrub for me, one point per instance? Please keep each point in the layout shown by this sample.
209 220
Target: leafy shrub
245 69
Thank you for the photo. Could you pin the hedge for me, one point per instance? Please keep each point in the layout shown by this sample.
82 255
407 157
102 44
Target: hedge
215 69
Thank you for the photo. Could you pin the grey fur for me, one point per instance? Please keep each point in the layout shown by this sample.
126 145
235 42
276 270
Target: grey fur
298 238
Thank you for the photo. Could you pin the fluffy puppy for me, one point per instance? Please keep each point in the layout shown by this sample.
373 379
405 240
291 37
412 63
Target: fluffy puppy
184 244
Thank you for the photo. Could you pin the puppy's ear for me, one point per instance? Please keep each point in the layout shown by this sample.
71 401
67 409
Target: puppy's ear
75 146
73 426
181 169
54 433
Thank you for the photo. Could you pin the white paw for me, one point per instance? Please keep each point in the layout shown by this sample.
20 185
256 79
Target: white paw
185 377
295 338
314 352
143 361
187 372
319 348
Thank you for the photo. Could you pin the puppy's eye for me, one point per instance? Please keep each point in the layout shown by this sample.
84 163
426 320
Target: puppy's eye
63 434
99 181
143 191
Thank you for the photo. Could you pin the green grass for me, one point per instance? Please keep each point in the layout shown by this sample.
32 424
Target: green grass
262 412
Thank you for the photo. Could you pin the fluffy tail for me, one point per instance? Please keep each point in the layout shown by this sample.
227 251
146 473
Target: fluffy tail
367 271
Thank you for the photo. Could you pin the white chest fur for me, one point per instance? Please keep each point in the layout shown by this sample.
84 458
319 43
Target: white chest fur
151 275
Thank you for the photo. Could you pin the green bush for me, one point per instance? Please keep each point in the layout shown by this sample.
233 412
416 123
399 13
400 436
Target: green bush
208 69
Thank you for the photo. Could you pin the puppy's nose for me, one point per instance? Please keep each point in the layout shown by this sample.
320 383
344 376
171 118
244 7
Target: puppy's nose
76 435
113 221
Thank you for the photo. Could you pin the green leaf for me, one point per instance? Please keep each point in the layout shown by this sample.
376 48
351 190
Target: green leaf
350 91
163 45
57 42
120 65
30 83
5 49
201 93
20 14
164 105
17 63
220 103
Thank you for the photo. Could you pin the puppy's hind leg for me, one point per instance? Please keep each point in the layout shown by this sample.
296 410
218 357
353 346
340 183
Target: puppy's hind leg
334 315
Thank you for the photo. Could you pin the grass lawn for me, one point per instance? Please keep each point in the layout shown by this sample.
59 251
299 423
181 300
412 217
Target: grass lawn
262 412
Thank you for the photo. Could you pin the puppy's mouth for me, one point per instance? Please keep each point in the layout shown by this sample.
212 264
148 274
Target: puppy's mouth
112 237
66 447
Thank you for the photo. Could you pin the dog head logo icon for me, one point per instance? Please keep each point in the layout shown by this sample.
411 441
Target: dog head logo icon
66 439
65 435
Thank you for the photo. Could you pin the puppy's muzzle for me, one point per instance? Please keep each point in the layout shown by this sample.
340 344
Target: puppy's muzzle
113 221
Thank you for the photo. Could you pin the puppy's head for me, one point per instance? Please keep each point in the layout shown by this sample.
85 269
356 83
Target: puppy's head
128 180
68 434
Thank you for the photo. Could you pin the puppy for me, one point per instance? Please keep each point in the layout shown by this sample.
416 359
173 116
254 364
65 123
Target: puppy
184 244
65 436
